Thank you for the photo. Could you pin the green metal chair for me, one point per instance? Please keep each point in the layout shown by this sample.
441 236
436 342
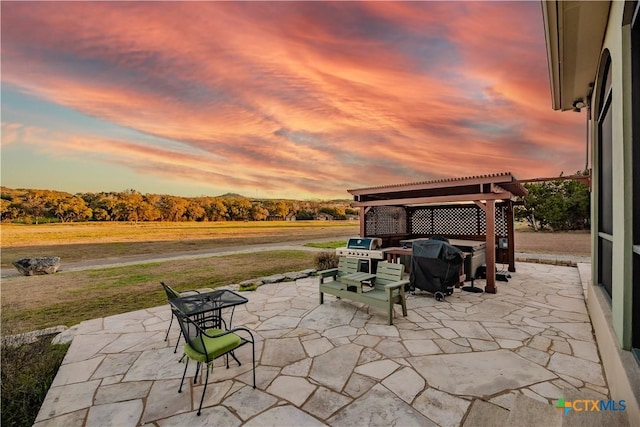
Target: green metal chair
204 346
171 294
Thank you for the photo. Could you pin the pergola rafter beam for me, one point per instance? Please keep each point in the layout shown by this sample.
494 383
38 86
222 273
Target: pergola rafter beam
436 199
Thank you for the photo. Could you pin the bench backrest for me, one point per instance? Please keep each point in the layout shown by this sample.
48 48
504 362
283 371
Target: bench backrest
347 265
388 272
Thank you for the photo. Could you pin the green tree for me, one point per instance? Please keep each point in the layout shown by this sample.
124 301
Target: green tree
216 210
7 210
173 208
103 205
195 211
281 208
258 212
34 205
556 205
71 209
238 208
303 215
335 211
128 205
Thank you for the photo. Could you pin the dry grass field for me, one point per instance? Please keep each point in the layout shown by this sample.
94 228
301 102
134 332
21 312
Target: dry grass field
88 241
571 243
67 298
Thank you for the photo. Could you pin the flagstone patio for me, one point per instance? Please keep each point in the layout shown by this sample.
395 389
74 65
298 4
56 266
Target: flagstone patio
472 360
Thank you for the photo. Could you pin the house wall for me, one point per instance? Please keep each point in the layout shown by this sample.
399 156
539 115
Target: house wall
620 297
612 317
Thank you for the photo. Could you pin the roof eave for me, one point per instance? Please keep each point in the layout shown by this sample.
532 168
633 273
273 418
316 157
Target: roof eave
551 33
574 33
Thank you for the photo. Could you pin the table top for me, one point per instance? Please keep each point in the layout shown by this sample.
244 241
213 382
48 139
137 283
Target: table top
208 301
356 279
359 276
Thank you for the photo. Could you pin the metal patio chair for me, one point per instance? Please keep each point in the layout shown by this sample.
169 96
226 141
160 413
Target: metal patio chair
171 294
204 346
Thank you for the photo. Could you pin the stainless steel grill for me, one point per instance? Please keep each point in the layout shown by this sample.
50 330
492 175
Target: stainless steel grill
369 243
364 248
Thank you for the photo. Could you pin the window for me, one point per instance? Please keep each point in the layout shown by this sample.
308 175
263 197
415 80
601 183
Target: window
605 176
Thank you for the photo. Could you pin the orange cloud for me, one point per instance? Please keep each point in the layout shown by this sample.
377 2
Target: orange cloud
293 98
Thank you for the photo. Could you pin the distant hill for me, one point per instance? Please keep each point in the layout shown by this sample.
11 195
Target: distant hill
233 195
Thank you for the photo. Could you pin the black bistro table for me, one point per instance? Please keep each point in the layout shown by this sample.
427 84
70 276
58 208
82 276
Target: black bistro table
206 308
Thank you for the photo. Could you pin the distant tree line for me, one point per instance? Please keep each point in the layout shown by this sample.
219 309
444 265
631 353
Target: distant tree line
556 205
36 206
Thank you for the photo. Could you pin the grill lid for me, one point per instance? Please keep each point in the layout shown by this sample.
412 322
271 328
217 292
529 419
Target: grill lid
369 243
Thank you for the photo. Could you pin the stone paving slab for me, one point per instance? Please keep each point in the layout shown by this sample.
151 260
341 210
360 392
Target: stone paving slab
473 359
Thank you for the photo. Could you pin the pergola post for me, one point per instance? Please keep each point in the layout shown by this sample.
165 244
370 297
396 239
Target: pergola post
363 213
490 211
511 251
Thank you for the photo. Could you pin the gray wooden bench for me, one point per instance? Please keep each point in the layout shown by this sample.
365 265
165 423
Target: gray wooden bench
388 288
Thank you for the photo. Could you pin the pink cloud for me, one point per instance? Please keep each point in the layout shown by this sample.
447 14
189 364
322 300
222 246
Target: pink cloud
302 98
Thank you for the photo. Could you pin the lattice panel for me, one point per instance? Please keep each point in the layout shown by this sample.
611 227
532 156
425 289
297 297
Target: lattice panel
461 221
456 221
444 220
501 221
381 220
421 221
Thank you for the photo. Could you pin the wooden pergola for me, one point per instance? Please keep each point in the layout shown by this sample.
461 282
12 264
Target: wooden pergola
475 208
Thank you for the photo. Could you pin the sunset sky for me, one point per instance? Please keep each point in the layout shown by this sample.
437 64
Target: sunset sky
279 100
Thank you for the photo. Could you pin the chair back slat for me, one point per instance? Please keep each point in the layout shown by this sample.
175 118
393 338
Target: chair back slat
388 273
348 265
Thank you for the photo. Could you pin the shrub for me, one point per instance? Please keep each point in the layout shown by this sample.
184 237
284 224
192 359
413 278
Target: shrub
326 260
27 372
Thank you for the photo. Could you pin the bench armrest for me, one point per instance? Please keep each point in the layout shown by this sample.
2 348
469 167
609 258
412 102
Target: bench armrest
332 272
400 284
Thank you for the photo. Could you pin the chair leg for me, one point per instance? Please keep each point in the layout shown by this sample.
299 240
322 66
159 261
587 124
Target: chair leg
169 329
175 350
234 358
206 382
186 365
195 377
253 348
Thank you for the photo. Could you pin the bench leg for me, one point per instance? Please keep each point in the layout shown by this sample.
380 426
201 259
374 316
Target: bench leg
404 306
321 298
390 312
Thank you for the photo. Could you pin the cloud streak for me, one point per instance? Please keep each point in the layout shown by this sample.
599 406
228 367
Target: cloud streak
294 99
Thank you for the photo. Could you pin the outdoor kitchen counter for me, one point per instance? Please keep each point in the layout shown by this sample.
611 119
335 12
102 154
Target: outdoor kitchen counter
394 253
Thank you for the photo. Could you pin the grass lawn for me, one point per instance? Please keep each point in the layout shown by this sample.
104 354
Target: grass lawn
67 298
328 245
